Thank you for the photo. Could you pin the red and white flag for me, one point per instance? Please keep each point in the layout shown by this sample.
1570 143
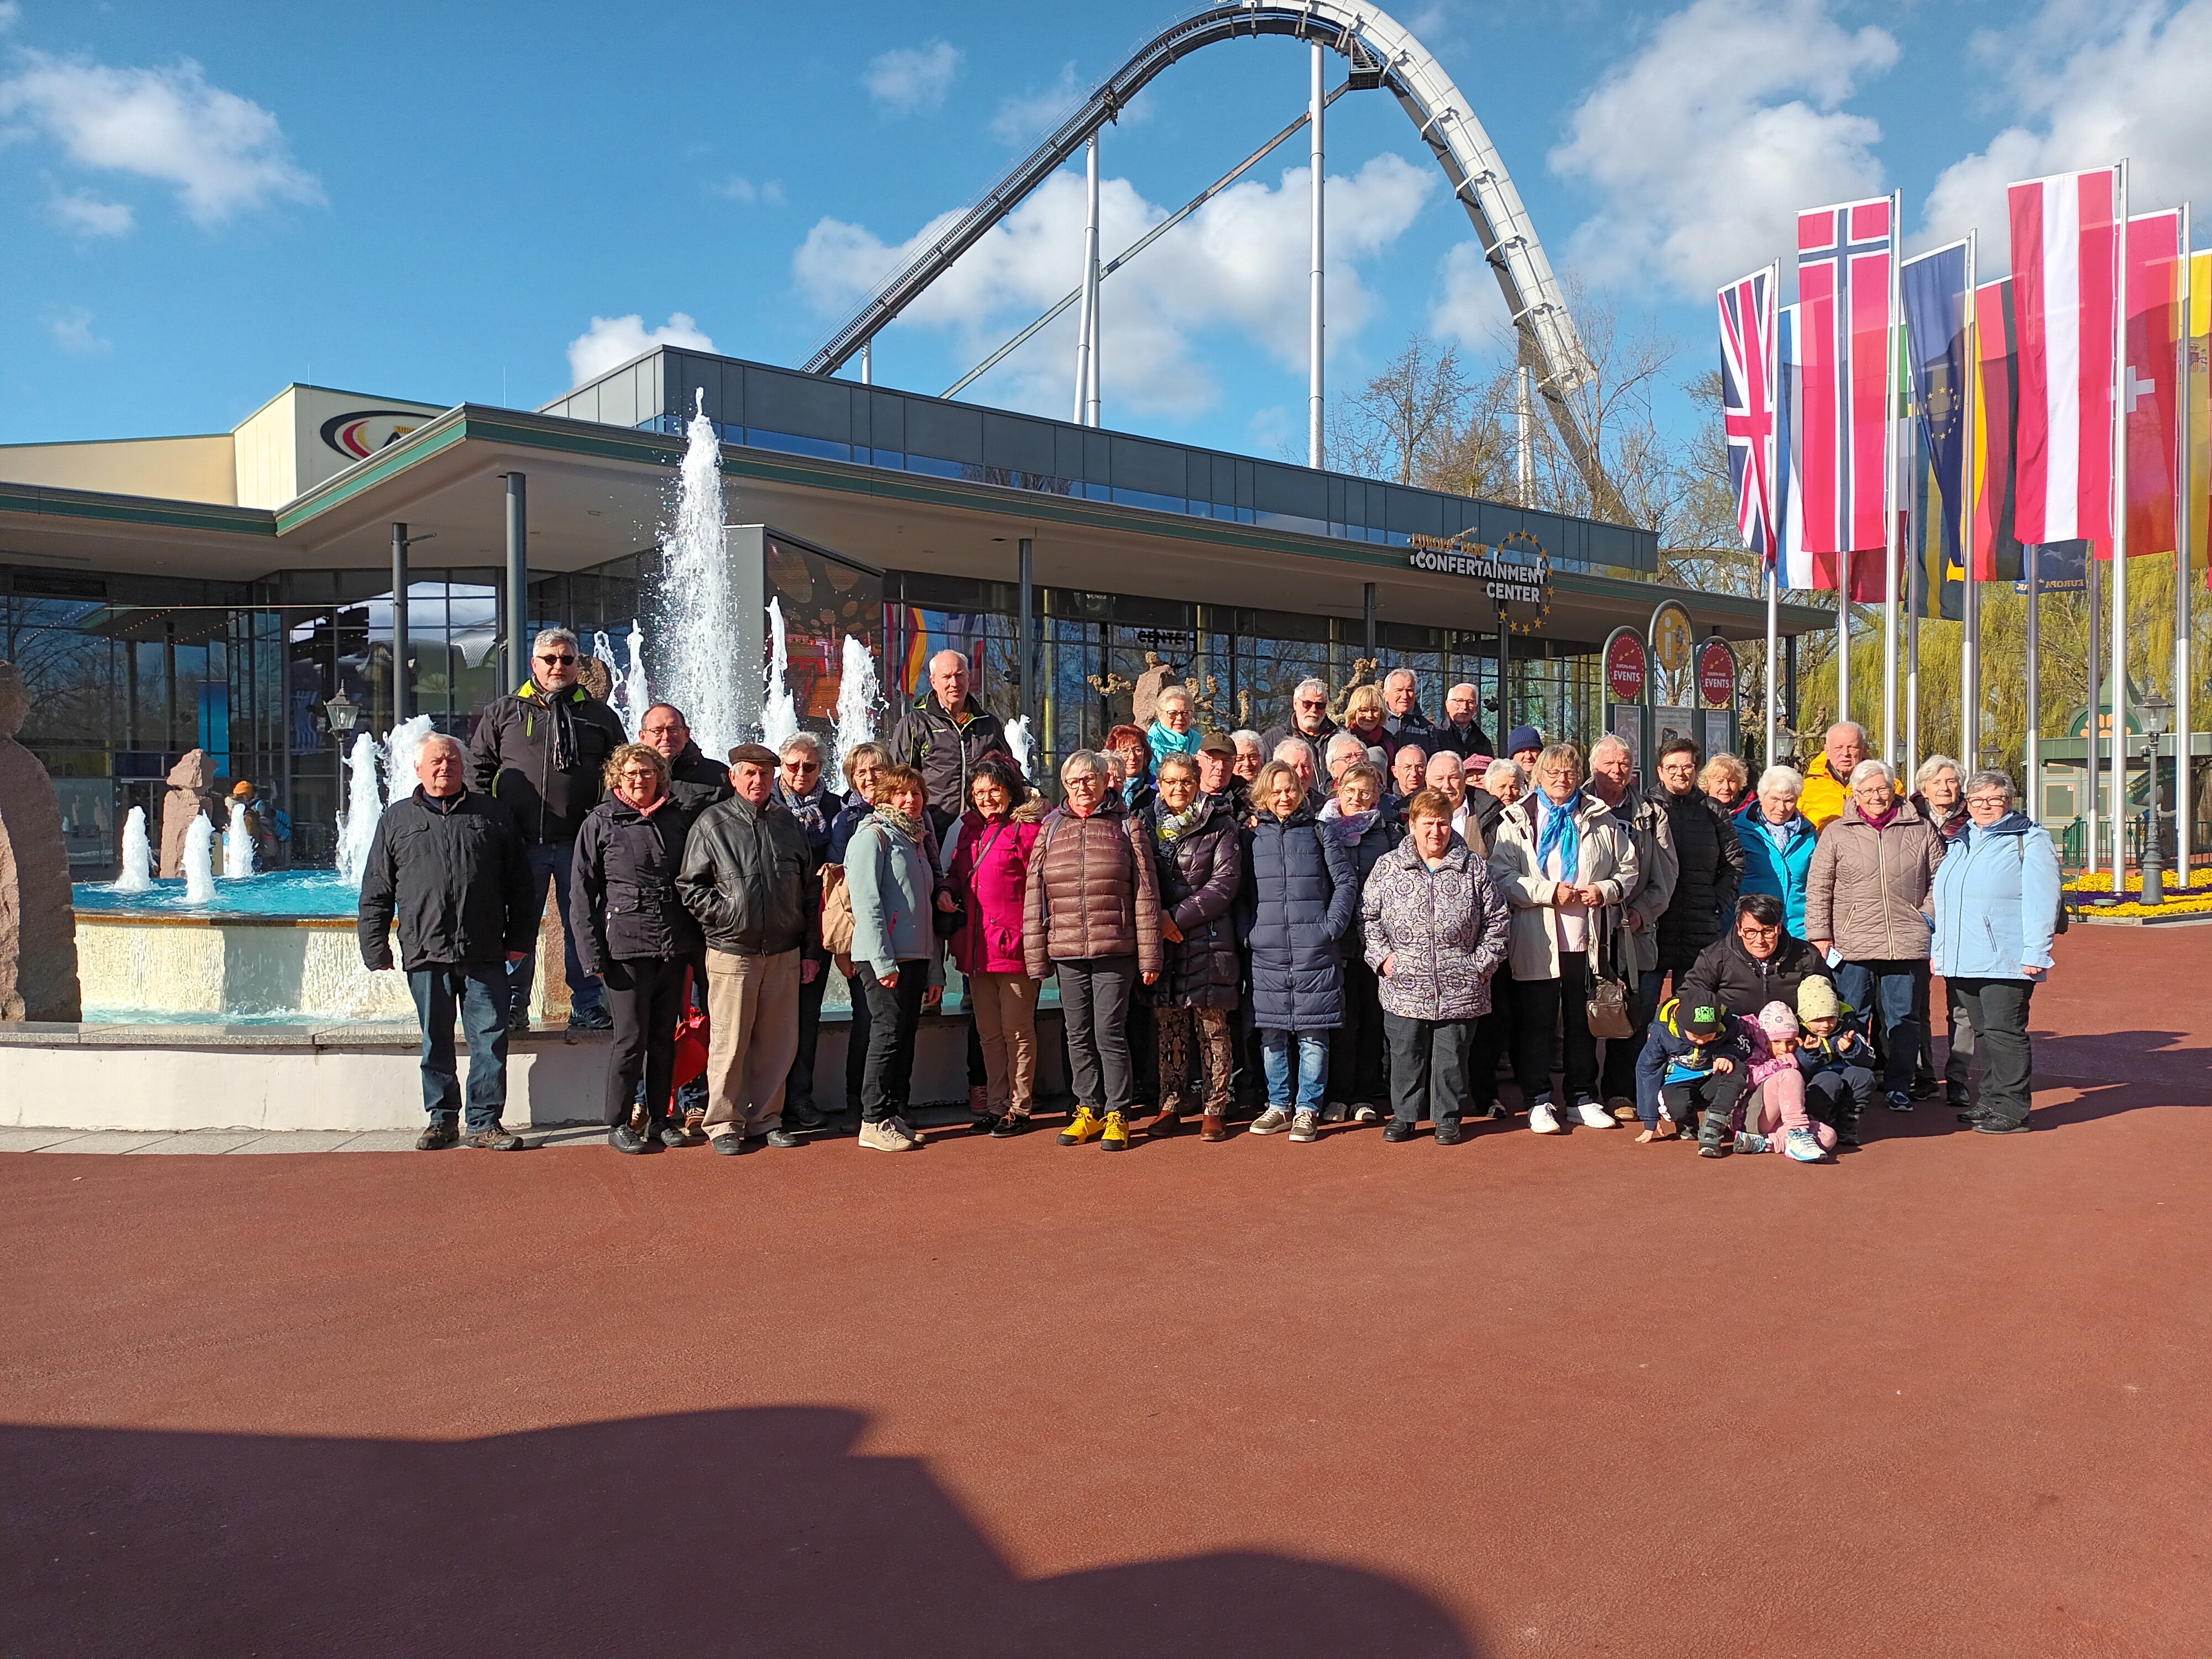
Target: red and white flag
1846 262
2150 391
2066 291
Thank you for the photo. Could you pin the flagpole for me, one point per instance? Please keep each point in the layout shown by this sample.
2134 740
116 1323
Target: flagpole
1843 635
2121 380
2184 532
1970 604
2034 752
2093 733
1889 493
1916 597
1769 324
1774 604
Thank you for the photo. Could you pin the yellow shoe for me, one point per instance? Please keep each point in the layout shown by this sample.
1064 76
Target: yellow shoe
1117 1134
1083 1125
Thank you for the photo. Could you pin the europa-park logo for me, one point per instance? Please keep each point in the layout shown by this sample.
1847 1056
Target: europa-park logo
360 433
1516 573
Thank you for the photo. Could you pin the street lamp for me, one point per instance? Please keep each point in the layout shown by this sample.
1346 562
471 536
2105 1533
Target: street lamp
342 712
2155 711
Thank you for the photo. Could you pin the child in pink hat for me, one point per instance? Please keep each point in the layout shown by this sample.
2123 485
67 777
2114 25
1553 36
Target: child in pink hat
1774 1116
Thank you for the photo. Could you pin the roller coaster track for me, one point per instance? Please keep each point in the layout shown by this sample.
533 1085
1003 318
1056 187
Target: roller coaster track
1381 53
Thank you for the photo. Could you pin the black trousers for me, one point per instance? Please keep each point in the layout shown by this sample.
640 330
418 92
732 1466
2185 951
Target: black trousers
1621 1053
799 1082
1493 1041
1094 1004
856 1040
645 996
1840 1098
1718 1095
1355 1048
1541 1006
1997 1009
1428 1067
894 1016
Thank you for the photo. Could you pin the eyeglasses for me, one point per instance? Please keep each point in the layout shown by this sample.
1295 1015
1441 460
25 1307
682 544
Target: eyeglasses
1310 702
802 766
1995 803
561 662
663 731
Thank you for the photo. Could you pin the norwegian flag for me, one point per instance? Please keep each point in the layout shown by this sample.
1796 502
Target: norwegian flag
1846 262
2066 297
1747 404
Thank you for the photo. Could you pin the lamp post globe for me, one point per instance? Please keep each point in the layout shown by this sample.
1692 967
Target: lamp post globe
2154 711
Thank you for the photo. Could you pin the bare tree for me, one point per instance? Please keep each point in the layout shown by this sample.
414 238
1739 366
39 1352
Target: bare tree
1387 429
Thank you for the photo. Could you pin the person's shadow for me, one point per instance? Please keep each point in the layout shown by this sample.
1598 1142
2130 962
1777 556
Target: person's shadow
750 1532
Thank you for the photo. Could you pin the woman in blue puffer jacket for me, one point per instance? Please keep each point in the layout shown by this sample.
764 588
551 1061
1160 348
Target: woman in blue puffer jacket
1777 843
1300 897
1997 902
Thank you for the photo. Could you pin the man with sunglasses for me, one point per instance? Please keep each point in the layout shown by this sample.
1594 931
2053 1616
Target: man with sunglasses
540 750
1309 720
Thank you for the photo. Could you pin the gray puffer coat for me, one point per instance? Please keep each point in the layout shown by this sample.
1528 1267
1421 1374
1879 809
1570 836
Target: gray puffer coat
1444 931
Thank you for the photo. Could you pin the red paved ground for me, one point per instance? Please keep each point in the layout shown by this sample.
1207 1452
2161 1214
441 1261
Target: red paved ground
1525 1396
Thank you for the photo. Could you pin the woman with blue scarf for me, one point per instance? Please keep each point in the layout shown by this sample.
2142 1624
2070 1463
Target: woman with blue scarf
1566 864
1173 732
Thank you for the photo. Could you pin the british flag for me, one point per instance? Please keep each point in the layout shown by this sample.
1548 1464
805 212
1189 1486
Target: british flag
1747 386
1846 266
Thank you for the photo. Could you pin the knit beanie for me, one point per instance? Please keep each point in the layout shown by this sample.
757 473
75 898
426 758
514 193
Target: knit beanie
1816 999
1777 1019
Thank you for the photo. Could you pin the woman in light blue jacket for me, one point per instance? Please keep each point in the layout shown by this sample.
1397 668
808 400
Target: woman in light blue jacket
1996 906
1777 843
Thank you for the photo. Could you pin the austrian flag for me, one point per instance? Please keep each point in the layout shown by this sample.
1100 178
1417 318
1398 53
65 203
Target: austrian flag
1747 386
2066 298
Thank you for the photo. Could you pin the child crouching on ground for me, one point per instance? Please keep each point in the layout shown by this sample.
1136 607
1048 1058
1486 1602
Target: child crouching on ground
1835 1058
1774 1116
1698 1055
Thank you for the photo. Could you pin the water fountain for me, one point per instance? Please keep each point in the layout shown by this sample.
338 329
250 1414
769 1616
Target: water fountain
199 861
698 616
1018 744
403 749
778 714
237 845
138 875
858 697
639 695
625 687
364 807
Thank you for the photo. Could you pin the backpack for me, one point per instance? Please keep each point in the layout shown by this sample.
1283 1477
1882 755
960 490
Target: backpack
837 918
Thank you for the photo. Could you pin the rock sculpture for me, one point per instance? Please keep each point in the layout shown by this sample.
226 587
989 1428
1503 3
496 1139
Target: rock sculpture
1145 695
38 923
190 780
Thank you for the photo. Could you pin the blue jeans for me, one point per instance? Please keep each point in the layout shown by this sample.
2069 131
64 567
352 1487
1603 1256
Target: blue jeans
477 990
1313 1066
552 858
1885 992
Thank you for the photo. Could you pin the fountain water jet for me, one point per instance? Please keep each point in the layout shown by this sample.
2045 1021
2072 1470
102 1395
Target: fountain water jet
698 618
199 861
1019 743
237 844
778 714
138 875
640 698
858 696
403 747
364 807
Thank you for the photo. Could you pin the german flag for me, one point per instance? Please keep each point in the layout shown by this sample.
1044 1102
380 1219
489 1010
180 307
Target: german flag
1996 429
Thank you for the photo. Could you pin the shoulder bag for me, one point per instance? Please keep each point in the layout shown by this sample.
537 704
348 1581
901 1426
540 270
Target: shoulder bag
1609 1015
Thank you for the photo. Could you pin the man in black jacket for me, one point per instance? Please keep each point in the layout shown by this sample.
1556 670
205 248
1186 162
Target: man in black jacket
1309 720
449 865
1461 732
751 879
944 735
540 751
668 733
1402 717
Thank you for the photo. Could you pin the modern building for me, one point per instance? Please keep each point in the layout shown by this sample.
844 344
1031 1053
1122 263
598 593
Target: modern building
221 591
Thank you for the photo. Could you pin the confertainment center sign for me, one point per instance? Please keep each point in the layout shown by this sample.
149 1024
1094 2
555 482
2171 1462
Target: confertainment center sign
1521 583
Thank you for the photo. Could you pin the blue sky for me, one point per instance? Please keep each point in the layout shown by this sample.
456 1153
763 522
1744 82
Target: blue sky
437 202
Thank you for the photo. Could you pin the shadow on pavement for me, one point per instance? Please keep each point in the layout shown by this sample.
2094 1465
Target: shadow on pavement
2106 1057
750 1532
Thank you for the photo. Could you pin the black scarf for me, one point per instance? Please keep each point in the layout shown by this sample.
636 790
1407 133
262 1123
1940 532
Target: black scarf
560 706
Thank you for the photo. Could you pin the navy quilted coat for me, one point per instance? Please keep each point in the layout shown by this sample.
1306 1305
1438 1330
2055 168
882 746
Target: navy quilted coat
1301 896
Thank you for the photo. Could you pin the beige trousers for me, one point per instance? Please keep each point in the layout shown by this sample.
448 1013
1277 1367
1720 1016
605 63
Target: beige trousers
752 1036
1005 1026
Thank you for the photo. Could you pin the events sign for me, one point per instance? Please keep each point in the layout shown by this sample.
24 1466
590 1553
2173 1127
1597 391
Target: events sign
1627 668
1717 674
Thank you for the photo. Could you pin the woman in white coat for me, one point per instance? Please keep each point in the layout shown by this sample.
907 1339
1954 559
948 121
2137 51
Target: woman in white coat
1566 864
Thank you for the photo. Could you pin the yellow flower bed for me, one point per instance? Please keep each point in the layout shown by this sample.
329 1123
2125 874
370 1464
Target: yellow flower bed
2196 901
2101 882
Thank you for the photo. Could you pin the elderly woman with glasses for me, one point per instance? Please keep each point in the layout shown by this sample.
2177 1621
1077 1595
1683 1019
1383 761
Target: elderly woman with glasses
1777 843
1866 901
1996 898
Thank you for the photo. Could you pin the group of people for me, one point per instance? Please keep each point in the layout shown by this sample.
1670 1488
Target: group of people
1359 922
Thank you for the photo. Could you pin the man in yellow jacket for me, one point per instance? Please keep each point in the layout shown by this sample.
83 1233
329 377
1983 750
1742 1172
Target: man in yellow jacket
1828 779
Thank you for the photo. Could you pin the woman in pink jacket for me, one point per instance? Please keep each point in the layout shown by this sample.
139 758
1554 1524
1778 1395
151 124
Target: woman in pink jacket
988 864
1774 1116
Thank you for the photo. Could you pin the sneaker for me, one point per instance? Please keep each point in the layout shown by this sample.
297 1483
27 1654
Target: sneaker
803 1117
1923 1087
1274 1121
1083 1125
1333 1112
673 1137
906 1127
1010 1126
1449 1135
886 1136
1713 1149
518 1020
1748 1141
1306 1125
783 1138
1540 1118
437 1137
1899 1101
590 1019
985 1124
1847 1134
694 1121
1115 1136
1495 1111
1804 1147
1622 1108
729 1145
1997 1126
494 1140
1363 1113
627 1140
1591 1116
1394 1131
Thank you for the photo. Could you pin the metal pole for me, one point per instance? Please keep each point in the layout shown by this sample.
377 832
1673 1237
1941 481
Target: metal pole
2093 733
2121 378
1315 318
518 577
1090 275
1773 661
400 710
2185 533
1369 601
868 363
1891 459
2034 752
1524 414
1970 600
1026 646
1843 635
1504 666
1089 318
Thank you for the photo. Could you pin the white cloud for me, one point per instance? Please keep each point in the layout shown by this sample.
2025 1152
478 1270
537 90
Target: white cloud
738 188
2094 86
1704 145
72 332
1469 307
912 80
611 342
10 14
1027 116
223 152
1239 263
82 212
